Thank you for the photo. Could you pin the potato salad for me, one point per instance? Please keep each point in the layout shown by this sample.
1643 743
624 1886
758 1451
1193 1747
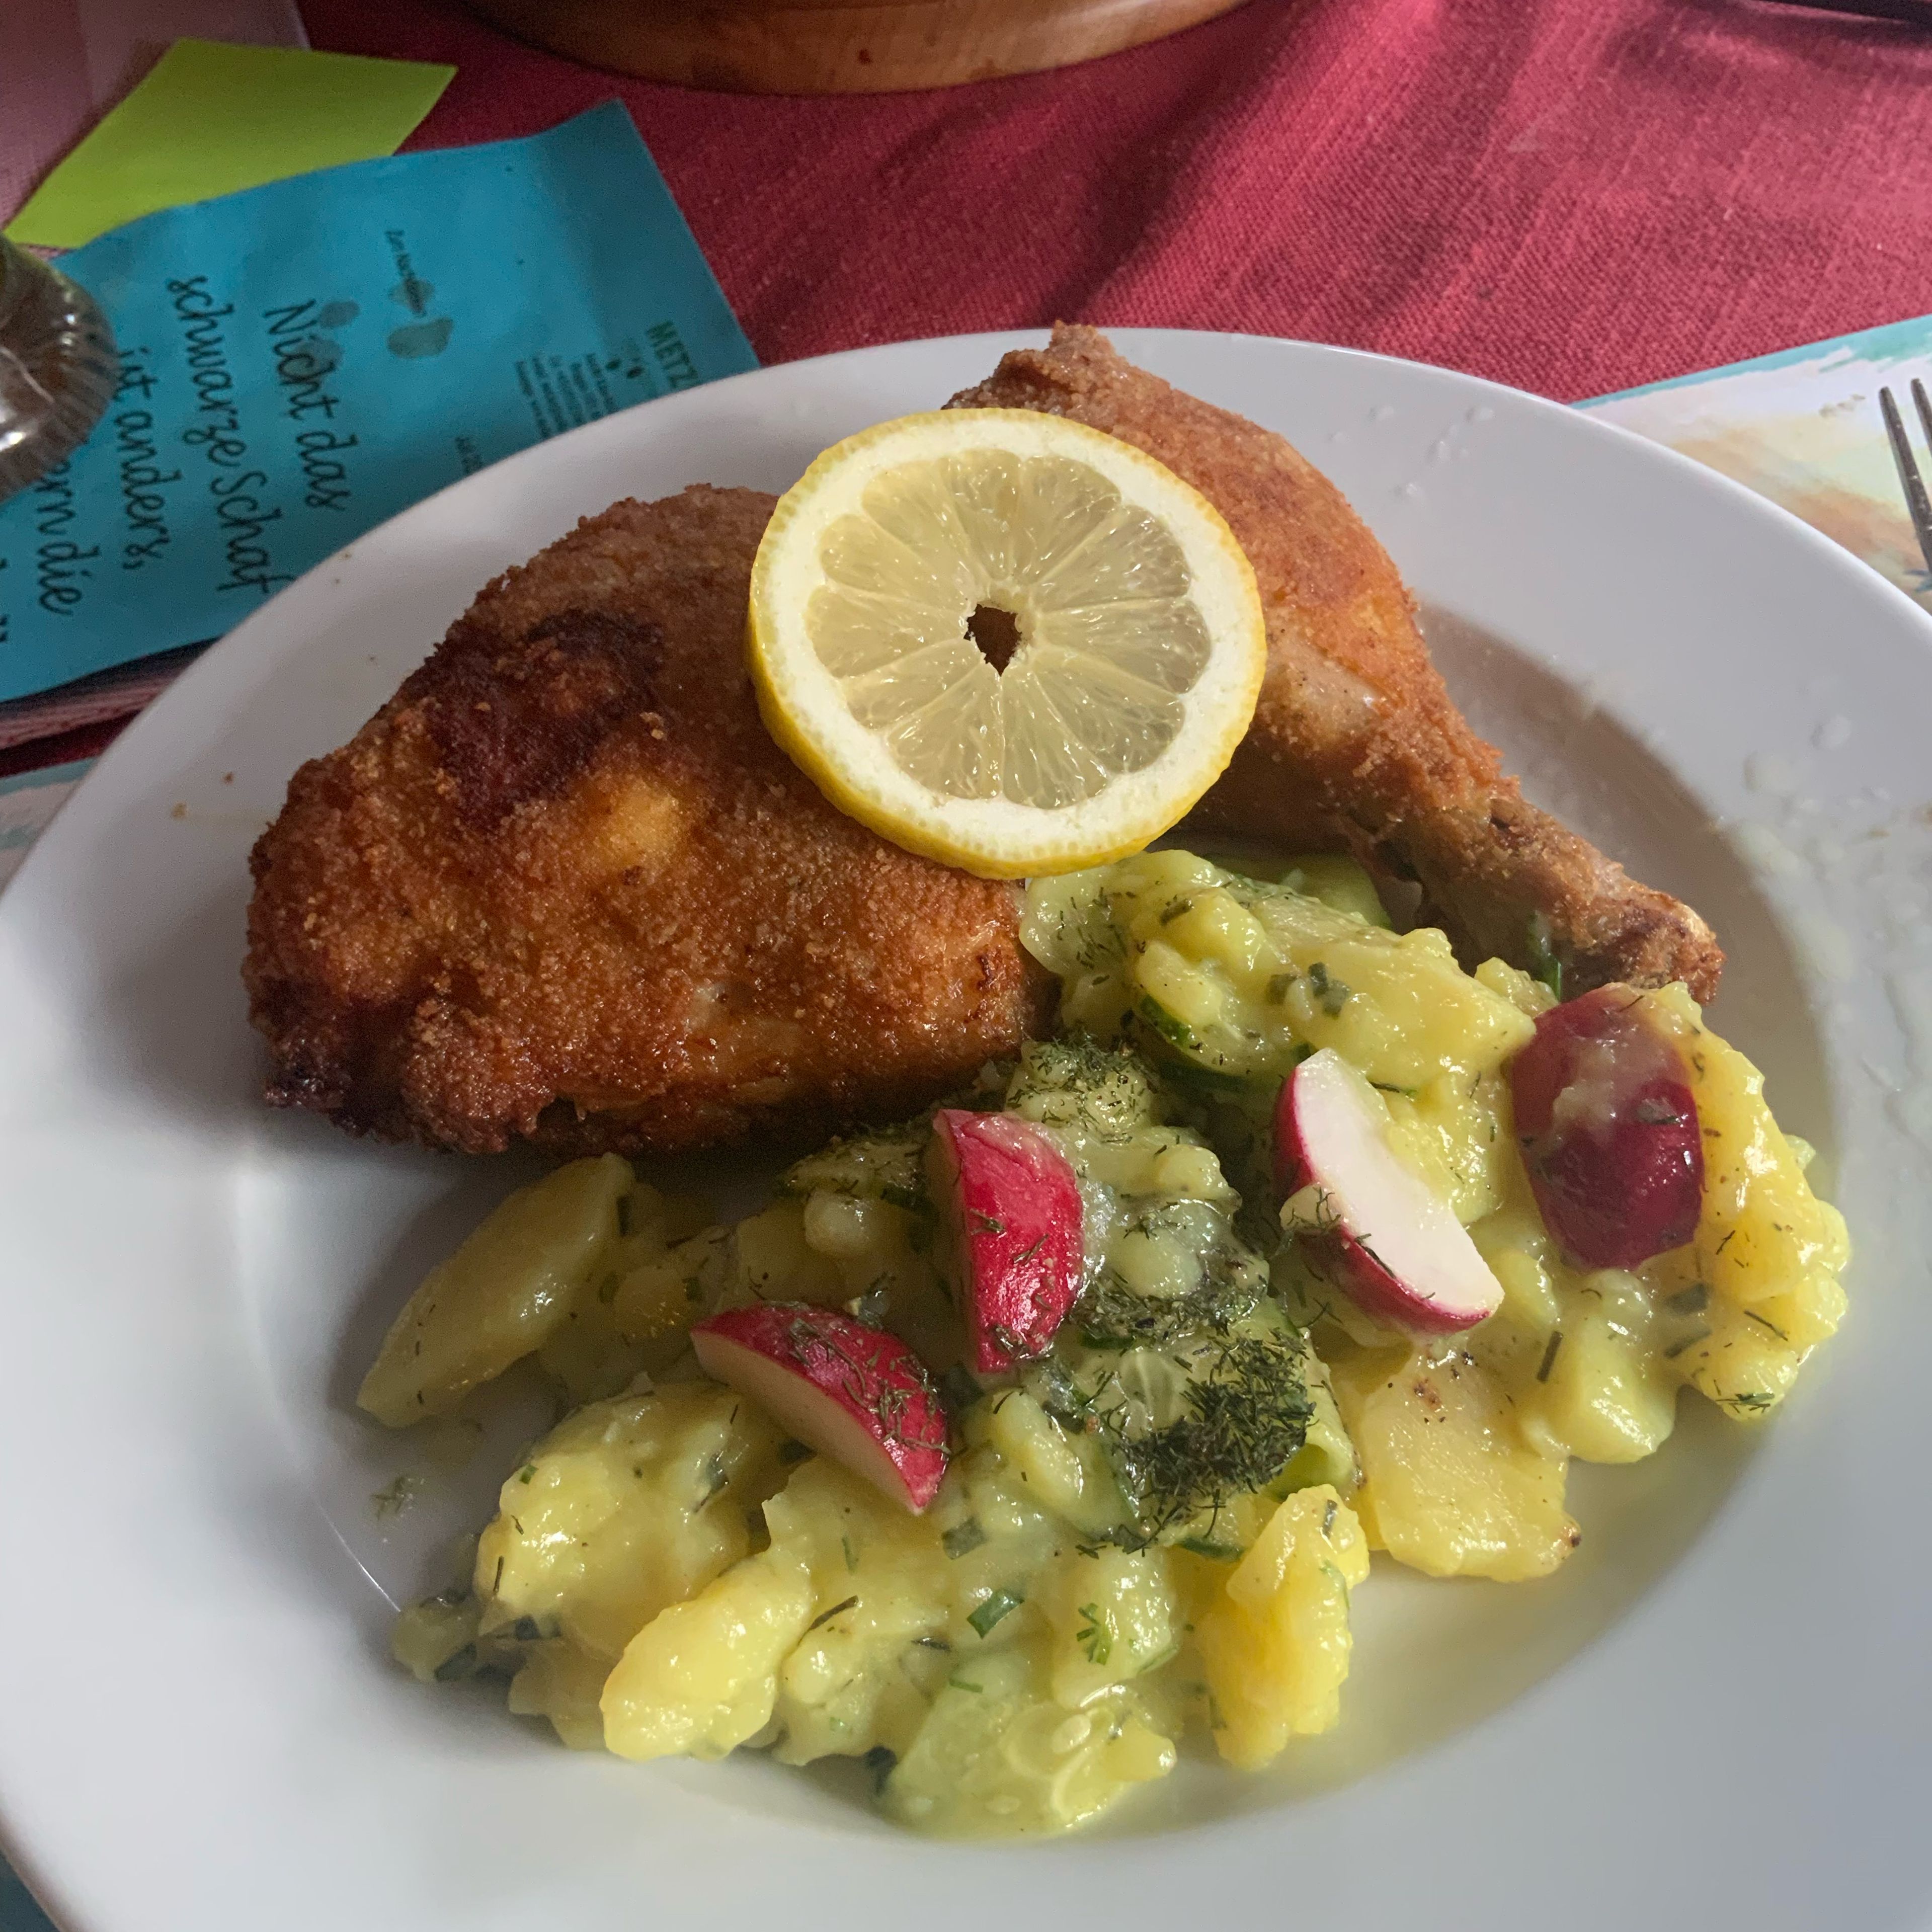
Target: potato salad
1011 1448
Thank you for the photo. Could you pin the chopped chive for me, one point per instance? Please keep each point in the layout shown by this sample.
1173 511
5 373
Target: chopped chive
1217 1552
880 1761
1095 1634
963 1537
1691 1301
959 1388
1333 994
1001 1603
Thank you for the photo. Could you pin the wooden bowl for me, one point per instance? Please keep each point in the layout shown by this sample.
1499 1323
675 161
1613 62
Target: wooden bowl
839 46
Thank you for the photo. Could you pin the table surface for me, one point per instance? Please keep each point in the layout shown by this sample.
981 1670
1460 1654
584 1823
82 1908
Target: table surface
1573 196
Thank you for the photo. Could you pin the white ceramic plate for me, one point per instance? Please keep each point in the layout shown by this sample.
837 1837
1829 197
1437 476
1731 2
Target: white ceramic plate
1715 1716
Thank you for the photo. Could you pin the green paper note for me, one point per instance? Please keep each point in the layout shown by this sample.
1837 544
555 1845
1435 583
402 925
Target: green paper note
210 118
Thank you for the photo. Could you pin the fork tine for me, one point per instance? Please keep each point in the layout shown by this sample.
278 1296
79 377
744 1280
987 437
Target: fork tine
1919 397
1913 484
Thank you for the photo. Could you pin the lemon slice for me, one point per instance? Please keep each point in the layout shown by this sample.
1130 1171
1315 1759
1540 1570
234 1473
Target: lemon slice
1004 639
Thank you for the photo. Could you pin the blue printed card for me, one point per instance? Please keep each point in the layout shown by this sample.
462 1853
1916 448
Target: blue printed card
301 361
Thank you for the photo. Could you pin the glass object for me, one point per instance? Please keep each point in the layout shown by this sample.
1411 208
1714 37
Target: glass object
58 366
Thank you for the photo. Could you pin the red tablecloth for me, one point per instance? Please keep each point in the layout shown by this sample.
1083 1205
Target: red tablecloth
1573 195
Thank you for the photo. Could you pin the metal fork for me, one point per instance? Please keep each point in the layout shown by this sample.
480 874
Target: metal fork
1916 502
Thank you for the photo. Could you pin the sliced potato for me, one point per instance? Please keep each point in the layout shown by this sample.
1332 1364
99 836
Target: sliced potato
501 1294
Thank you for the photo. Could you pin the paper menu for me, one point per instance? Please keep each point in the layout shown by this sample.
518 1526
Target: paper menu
301 361
211 118
1803 427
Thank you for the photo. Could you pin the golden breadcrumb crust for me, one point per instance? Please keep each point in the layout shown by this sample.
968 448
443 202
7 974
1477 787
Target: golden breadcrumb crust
1356 745
563 887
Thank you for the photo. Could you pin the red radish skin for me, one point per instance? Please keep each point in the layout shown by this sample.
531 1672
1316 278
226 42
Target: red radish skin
855 1394
1404 1257
1608 1125
1012 1202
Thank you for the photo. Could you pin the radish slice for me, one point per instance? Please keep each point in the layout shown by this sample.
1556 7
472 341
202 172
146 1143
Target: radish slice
852 1393
1012 1202
1406 1258
1609 1129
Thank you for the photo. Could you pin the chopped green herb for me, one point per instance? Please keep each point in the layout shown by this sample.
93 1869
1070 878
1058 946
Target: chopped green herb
963 1537
1333 994
1751 1402
458 1665
960 1683
836 1610
958 1388
1548 1361
527 1472
1002 1603
607 1290
623 1217
793 1450
398 1497
1215 1552
988 1224
1170 914
1278 985
716 1477
880 1761
1689 1341
1691 1301
910 1198
1541 956
851 1555
1096 1634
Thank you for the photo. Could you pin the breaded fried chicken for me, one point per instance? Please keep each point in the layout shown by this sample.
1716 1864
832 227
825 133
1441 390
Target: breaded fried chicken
1356 745
564 887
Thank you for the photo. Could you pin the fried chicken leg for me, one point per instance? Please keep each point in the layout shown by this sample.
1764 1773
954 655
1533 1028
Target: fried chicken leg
564 887
1356 745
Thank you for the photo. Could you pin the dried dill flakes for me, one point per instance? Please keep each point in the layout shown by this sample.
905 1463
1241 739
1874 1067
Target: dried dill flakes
1548 1361
1749 1402
398 1496
836 1610
1001 1603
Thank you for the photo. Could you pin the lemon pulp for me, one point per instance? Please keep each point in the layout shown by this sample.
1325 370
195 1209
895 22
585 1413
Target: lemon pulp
1107 638
1004 639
